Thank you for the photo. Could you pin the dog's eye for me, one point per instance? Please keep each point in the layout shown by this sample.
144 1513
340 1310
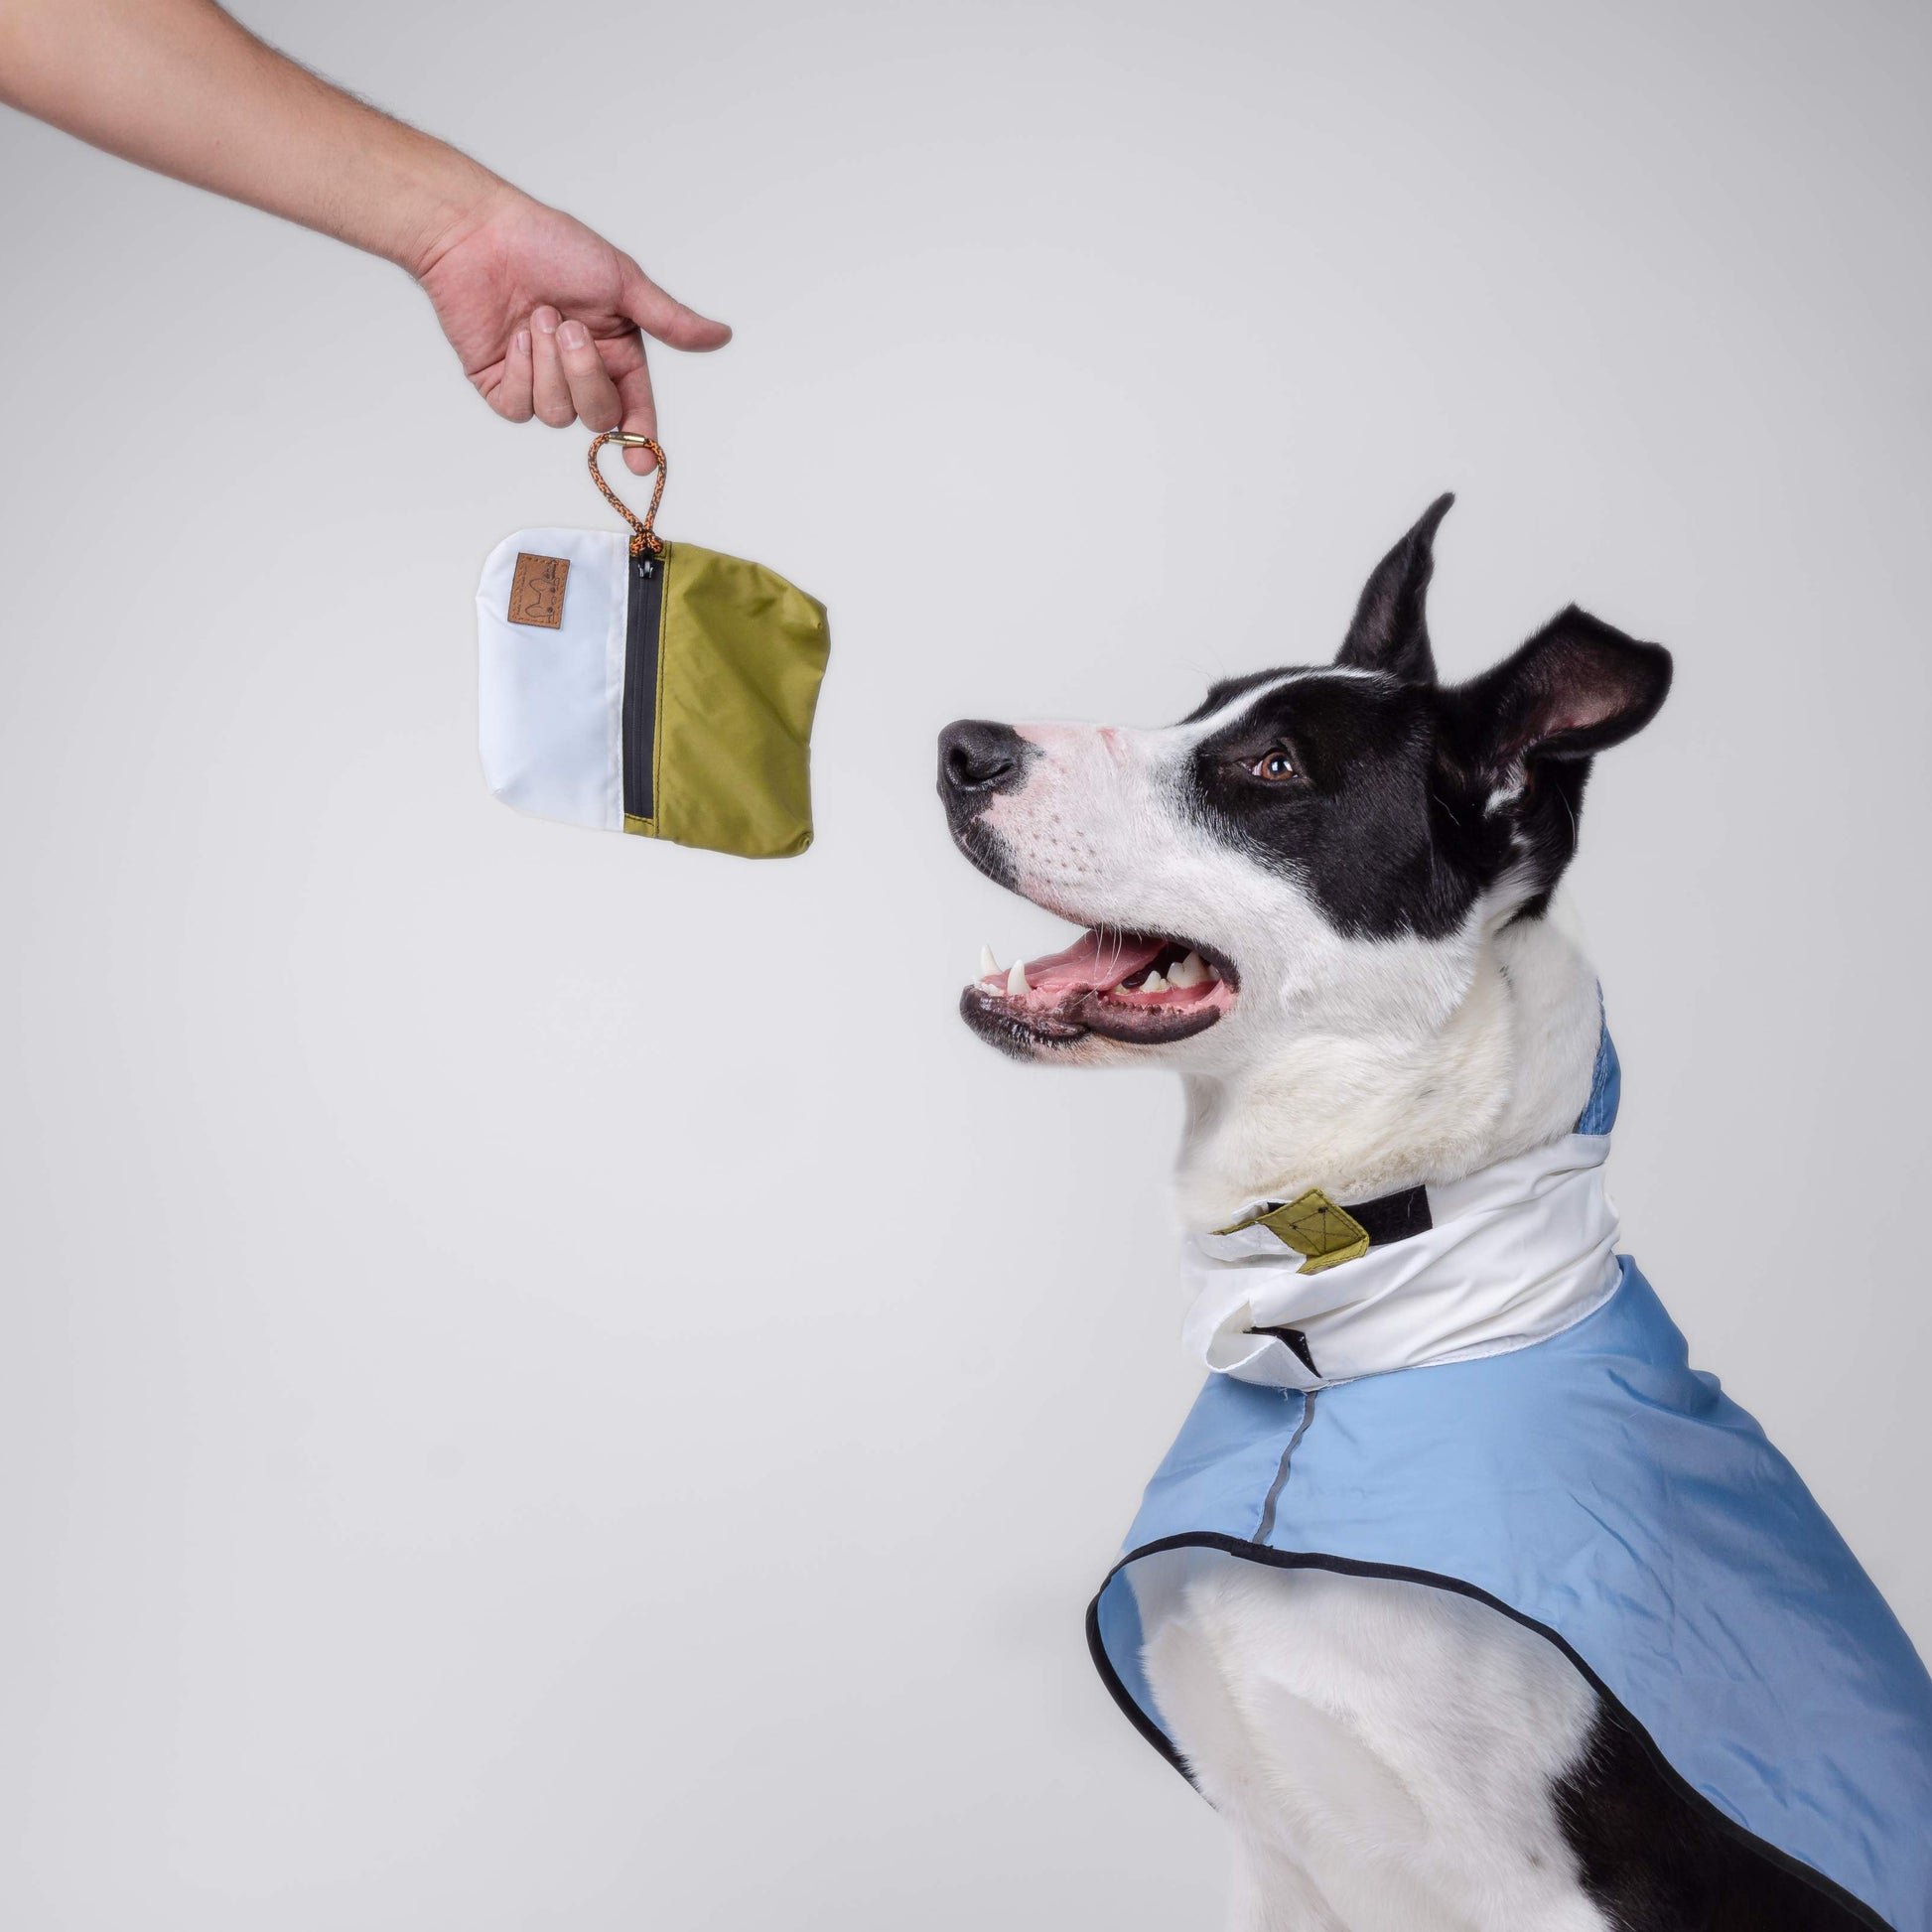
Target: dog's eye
1274 765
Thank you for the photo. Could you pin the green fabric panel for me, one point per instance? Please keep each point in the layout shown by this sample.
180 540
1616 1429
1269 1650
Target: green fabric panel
1314 1227
739 667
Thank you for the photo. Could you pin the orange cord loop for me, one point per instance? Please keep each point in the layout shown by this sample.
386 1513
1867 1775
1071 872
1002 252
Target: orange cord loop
646 538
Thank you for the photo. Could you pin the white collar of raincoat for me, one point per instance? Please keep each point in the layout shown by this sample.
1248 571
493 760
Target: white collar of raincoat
1516 1253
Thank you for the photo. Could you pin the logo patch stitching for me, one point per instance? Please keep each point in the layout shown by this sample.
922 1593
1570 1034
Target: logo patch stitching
537 591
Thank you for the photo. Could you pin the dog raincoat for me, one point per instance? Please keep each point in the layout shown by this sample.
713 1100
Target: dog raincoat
1558 1458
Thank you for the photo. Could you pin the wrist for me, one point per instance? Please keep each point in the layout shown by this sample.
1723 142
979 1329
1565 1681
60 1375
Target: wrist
449 200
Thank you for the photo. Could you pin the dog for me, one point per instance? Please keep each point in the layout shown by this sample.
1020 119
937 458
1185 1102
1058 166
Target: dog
1461 1597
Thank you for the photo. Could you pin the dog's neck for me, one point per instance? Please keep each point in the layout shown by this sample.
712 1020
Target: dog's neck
1508 1070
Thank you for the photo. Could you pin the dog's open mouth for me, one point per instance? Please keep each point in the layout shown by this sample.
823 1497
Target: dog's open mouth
1141 988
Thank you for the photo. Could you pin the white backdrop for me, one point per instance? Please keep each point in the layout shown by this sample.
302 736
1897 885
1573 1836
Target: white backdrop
548 1382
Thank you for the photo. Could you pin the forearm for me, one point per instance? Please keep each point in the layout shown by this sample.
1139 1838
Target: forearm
179 87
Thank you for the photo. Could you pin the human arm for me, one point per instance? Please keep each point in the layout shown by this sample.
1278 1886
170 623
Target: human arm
544 314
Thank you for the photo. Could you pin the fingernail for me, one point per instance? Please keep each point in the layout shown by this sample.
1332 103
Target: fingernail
522 341
573 334
546 319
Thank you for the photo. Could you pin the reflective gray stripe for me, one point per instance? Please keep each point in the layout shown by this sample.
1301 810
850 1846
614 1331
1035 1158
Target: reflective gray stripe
1267 1528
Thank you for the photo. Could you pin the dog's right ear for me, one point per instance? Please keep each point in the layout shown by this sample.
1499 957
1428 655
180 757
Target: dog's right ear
1391 630
1577 687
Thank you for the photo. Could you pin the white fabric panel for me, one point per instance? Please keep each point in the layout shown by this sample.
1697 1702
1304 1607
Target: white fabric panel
550 703
1519 1251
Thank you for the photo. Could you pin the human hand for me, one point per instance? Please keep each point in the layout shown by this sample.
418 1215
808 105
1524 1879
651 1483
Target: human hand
546 315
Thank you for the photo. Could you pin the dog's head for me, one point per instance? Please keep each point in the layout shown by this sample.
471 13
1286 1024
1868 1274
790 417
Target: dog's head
1310 849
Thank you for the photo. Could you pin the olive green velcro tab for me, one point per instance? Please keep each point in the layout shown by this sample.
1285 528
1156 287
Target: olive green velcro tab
1313 1226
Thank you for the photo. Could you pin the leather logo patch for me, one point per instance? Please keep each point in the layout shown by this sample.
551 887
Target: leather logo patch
537 590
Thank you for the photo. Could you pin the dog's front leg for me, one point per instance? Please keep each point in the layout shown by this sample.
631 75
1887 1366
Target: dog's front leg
1271 1891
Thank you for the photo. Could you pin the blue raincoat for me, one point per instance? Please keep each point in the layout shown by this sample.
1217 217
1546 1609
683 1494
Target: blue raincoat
1601 1491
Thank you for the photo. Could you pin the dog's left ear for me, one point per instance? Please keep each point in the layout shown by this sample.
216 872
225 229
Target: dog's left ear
1391 630
1577 687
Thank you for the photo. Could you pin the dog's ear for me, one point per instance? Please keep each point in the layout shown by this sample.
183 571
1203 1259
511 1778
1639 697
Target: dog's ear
1391 630
1577 687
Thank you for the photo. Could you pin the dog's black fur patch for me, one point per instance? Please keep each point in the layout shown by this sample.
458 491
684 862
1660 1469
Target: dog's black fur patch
1651 1861
1412 800
1356 826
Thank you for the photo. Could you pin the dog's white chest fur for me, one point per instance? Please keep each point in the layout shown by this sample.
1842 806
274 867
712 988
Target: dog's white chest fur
1386 1755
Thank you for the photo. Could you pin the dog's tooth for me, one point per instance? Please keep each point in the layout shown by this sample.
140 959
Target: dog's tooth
1214 973
1154 983
1017 979
989 966
1190 972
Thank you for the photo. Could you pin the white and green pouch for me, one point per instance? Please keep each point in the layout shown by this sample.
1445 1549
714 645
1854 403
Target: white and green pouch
648 686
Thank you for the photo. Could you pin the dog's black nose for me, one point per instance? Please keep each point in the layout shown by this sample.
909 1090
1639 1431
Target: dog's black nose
974 756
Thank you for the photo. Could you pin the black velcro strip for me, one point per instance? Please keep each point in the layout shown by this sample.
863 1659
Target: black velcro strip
1393 1217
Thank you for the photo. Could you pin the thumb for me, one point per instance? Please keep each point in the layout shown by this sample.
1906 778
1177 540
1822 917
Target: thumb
666 320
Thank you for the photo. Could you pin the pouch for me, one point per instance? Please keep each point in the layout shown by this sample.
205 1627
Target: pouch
648 686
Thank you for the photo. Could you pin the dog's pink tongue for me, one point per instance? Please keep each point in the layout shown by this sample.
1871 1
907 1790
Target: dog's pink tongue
1100 960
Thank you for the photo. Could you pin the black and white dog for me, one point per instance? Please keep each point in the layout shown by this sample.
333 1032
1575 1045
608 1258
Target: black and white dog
1324 898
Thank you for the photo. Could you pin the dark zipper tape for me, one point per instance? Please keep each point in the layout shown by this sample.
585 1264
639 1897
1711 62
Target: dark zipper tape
643 622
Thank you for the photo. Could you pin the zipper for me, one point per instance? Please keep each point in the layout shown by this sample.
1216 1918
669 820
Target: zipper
643 618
